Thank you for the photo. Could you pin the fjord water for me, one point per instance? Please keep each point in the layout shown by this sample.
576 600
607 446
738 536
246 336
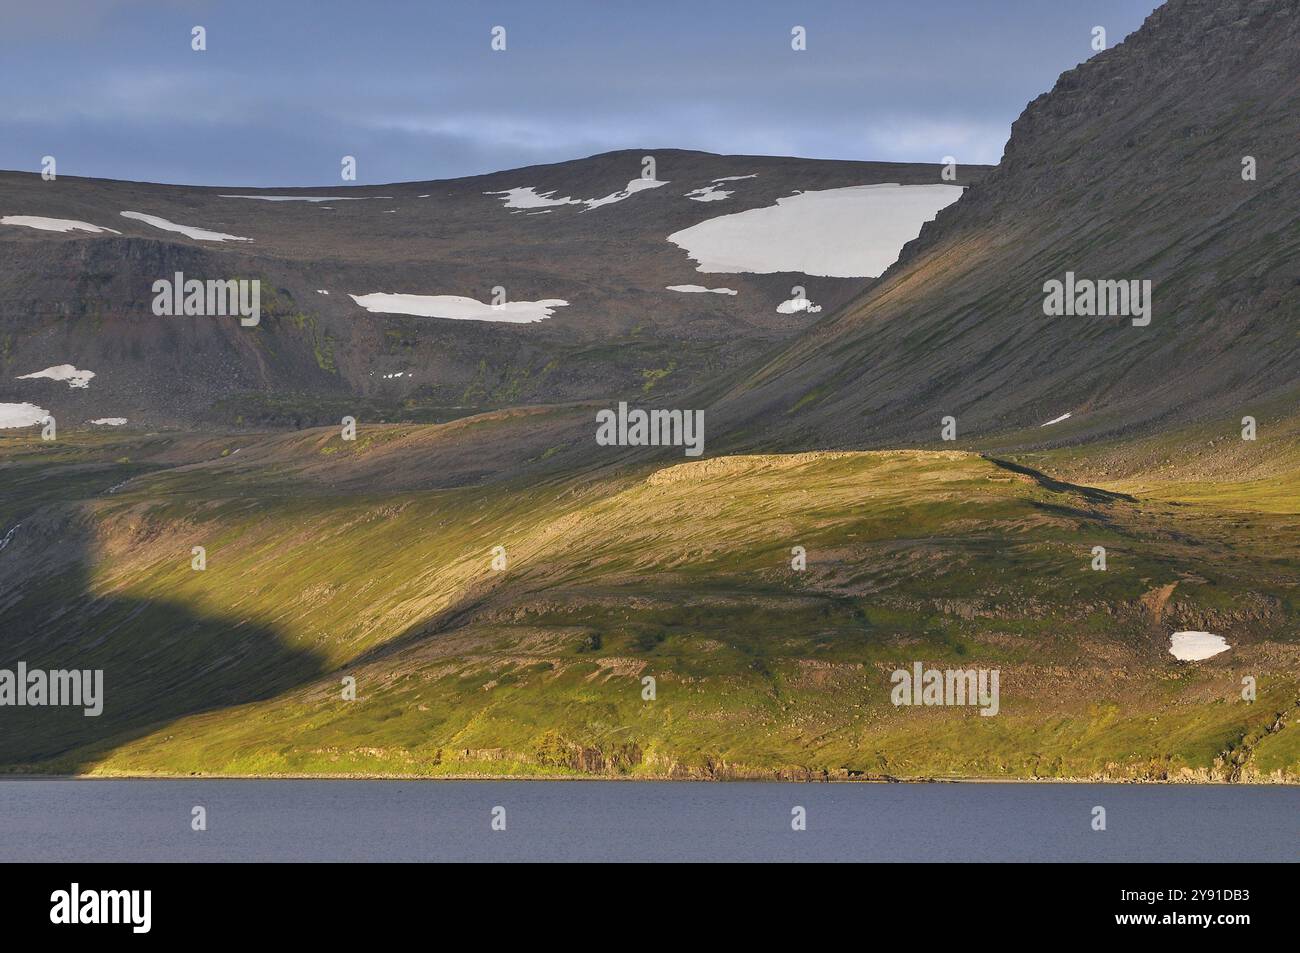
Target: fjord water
328 820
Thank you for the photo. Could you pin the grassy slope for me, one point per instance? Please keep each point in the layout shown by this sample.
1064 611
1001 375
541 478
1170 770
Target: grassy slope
681 573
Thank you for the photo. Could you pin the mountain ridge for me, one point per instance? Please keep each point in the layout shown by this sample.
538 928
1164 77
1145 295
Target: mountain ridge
1111 174
84 299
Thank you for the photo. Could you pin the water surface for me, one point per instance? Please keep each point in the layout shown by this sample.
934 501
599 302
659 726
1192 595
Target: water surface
328 820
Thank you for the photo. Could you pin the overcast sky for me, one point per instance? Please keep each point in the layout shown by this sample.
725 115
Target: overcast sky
412 89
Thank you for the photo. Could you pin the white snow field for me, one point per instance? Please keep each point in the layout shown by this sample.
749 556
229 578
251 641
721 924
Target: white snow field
189 231
528 197
108 421
700 289
1194 646
54 224
1057 420
62 372
853 232
459 308
21 415
793 305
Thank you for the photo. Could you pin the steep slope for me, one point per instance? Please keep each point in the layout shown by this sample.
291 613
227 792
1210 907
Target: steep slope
1130 168
572 232
683 573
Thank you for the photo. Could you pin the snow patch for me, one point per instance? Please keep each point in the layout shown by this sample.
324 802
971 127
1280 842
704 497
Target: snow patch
459 308
62 372
1194 646
109 421
190 231
853 232
321 291
1057 420
527 197
54 224
794 305
699 289
636 185
21 415
710 193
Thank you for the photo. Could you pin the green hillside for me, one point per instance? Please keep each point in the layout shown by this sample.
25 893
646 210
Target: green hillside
681 572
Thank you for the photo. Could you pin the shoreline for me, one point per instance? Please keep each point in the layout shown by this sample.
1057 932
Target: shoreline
125 776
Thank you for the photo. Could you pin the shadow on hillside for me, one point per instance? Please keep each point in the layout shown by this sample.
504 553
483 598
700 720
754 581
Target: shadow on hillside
1090 493
160 660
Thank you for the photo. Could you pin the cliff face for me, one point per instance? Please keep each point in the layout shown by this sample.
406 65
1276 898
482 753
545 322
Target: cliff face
1130 168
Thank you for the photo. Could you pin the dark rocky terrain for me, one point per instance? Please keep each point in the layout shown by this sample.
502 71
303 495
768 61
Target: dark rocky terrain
1131 167
84 299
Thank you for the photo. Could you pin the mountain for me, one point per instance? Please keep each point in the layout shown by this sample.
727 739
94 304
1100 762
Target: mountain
1131 167
513 597
584 232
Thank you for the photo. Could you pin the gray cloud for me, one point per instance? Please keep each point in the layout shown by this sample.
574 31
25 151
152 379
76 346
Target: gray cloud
414 92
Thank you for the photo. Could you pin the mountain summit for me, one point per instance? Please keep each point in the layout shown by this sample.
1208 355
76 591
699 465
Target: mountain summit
1173 159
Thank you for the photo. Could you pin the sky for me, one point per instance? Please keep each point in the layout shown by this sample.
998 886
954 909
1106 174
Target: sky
413 90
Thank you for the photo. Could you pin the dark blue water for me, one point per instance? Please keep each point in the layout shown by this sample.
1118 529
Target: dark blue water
142 820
